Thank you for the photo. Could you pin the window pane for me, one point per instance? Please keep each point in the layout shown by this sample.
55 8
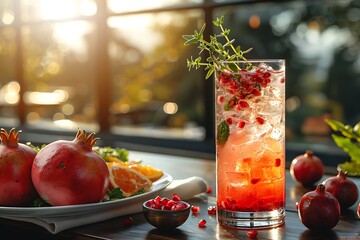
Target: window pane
117 6
152 87
35 10
9 86
321 45
59 74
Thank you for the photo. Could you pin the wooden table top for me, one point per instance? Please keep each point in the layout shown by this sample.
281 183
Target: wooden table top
182 167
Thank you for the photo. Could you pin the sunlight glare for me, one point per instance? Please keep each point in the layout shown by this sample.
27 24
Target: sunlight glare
57 10
7 17
45 98
170 108
10 93
65 123
134 28
72 35
51 10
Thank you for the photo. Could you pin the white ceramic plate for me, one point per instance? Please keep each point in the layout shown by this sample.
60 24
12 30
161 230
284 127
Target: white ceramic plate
84 208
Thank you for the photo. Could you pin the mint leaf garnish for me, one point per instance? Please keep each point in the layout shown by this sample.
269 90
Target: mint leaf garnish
222 132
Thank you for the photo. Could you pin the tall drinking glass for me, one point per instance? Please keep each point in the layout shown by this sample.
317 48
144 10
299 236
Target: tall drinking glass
250 146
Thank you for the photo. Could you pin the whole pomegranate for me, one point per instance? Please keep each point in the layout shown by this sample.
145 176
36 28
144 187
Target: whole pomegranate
319 210
70 172
344 189
307 168
16 159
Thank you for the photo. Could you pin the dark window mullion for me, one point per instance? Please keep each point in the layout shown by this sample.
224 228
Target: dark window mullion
103 79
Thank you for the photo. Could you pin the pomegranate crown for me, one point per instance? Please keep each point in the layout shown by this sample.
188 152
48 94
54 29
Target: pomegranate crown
87 141
10 139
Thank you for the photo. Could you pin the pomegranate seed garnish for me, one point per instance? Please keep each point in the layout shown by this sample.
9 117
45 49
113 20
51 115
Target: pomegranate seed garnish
232 102
282 80
224 78
169 204
244 104
252 233
158 201
211 210
156 206
260 120
266 75
209 189
128 221
202 223
229 120
277 162
151 202
164 201
238 107
178 206
255 180
256 92
176 197
242 95
221 99
195 209
241 124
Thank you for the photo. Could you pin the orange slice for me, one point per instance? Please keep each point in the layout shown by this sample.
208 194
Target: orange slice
149 171
128 180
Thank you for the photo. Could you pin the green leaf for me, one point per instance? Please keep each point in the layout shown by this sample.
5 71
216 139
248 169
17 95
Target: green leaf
119 153
233 67
222 132
191 41
202 28
352 168
348 146
357 128
335 125
345 130
39 202
209 73
187 37
116 193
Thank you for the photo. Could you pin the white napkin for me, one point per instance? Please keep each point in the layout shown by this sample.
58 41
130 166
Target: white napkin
185 188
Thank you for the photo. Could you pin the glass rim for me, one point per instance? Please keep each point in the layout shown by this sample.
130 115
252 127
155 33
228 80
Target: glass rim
254 60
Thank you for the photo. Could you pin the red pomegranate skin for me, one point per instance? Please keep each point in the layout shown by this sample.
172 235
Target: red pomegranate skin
307 168
319 210
70 172
343 188
16 159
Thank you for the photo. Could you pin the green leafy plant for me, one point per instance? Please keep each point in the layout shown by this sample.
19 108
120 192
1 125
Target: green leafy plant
217 50
348 139
119 153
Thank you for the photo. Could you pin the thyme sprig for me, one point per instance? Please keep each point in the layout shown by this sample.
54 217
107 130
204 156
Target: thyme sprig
217 51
